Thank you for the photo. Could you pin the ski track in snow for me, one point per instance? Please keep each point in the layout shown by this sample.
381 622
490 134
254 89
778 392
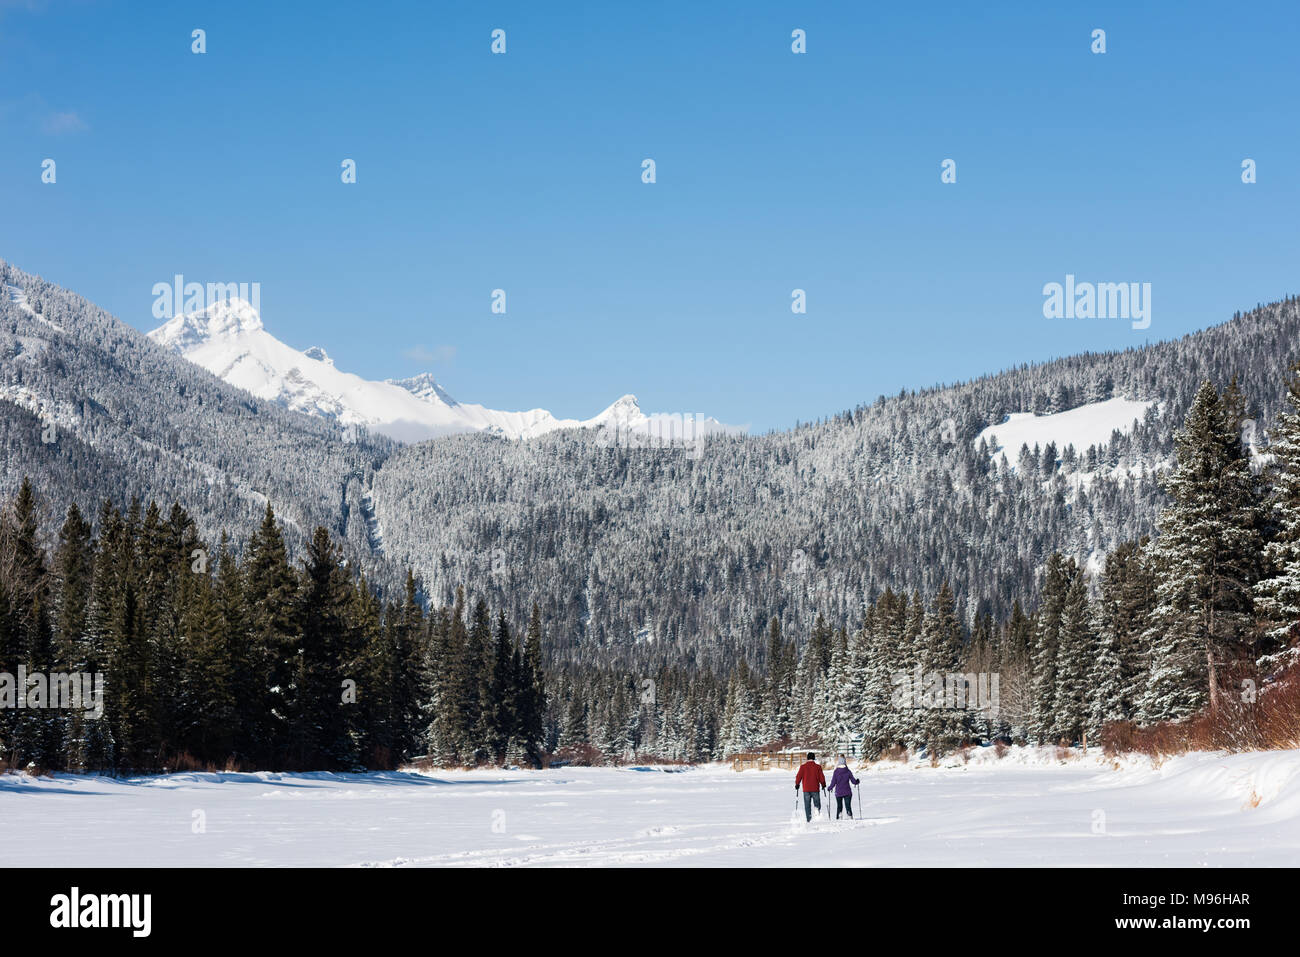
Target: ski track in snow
1027 809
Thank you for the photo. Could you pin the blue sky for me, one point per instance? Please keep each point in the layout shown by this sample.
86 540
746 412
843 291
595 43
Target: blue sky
775 171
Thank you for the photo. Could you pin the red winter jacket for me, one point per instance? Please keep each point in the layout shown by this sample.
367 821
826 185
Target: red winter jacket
810 776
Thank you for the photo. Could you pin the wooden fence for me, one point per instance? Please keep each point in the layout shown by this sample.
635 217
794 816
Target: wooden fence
762 760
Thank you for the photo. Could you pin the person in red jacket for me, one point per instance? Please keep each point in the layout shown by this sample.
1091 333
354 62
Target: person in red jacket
814 782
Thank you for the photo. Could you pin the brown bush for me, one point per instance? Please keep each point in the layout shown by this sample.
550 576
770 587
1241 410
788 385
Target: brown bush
1249 718
896 753
582 756
1117 738
1278 712
382 758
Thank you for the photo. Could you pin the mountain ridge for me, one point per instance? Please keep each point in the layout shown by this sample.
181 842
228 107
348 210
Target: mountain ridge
230 340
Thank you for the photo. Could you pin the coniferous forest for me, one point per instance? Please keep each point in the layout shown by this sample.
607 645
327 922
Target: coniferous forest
246 658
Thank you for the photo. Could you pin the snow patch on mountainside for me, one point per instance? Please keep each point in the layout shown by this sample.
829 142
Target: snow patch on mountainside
1091 424
19 298
229 340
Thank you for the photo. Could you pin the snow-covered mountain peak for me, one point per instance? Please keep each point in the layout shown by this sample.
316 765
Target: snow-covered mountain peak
228 340
424 386
225 319
624 410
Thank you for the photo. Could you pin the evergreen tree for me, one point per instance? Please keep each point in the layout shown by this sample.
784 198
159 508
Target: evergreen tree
502 704
318 725
1058 577
1277 595
270 596
1075 653
1207 558
532 707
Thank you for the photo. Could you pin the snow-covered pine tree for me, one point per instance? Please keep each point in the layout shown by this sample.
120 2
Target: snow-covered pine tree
1125 601
879 657
938 652
1105 694
781 666
1277 596
1207 559
841 710
1058 576
1074 655
1015 680
911 720
870 663
739 730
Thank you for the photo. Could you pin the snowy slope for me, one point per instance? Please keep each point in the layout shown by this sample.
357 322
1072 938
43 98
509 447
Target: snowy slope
229 340
1087 425
1028 809
19 298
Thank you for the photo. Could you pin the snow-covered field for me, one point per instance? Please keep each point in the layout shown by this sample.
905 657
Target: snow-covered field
1081 427
1026 809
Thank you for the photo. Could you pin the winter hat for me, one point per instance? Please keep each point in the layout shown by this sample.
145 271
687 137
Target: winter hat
841 763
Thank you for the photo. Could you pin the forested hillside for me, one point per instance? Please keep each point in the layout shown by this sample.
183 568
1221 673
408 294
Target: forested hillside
654 556
92 409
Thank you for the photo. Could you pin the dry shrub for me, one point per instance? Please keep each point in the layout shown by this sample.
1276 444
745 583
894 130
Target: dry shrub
1267 719
1278 711
1117 738
1000 748
582 756
896 753
184 761
382 758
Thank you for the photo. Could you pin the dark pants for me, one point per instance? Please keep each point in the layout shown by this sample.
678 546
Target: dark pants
809 799
843 804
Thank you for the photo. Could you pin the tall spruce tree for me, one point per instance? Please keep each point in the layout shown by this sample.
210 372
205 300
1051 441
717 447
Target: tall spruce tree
1058 577
1277 594
1207 559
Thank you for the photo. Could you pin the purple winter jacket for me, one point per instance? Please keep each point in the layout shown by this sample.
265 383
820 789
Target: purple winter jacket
840 782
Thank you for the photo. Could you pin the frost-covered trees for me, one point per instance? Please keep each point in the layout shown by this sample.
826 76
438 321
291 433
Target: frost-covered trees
1277 594
1207 559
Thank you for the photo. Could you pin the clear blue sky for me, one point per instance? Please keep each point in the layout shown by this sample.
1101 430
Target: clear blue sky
775 171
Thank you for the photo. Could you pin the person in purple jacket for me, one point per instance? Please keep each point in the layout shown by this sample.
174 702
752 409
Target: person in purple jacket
842 782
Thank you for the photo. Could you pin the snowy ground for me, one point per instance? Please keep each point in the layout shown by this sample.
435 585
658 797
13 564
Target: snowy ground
1086 425
1026 809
